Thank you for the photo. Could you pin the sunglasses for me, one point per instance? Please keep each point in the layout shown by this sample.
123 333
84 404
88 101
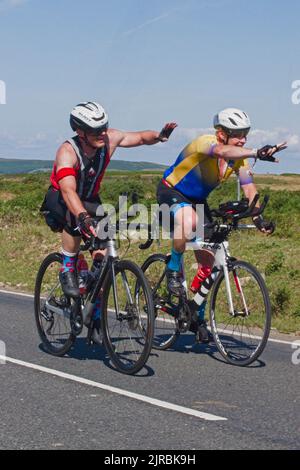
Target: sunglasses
239 134
97 132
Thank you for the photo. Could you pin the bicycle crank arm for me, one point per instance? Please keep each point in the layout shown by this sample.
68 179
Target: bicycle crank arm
59 311
165 309
88 313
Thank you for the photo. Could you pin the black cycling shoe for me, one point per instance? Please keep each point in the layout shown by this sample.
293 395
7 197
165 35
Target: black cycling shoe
174 282
203 335
69 283
96 335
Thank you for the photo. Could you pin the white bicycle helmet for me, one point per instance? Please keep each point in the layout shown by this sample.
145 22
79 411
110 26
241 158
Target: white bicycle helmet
232 119
89 117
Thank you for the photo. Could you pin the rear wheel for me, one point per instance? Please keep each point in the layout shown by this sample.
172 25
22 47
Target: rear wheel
165 327
127 317
241 337
54 312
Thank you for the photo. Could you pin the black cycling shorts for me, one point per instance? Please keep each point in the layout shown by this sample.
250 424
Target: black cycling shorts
57 215
173 198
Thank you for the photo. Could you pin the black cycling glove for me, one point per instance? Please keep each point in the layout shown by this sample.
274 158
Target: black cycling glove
85 224
262 154
167 131
263 224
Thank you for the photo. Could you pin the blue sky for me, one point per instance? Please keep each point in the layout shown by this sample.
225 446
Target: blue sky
148 63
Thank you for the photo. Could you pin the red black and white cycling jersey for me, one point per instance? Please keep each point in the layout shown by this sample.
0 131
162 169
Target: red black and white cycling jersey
88 172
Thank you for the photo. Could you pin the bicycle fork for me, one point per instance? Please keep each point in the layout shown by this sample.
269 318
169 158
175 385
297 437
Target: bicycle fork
239 288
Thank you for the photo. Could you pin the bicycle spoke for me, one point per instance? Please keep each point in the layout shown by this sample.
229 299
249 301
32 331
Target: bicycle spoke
54 327
127 333
165 330
241 337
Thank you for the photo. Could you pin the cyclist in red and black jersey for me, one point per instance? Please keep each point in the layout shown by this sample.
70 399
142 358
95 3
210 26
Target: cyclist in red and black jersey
73 198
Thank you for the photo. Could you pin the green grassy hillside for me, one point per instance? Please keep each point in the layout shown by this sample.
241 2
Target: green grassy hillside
25 240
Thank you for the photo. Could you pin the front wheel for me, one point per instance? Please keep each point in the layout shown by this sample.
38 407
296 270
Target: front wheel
127 317
241 335
54 312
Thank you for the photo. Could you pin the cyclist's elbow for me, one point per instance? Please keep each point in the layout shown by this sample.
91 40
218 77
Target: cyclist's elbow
219 151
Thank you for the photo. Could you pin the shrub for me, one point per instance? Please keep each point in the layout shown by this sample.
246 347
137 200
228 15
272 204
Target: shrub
275 264
281 300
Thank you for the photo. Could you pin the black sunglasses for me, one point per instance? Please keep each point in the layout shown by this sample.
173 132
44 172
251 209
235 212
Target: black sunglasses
238 134
98 131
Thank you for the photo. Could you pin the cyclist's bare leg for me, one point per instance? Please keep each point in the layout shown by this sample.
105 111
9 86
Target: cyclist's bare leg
70 244
185 223
98 255
67 275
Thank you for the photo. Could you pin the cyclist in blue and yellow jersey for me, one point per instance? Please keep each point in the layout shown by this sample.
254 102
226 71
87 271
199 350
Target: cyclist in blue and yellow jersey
204 164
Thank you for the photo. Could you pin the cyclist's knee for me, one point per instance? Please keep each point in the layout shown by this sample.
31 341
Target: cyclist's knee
70 243
98 255
186 218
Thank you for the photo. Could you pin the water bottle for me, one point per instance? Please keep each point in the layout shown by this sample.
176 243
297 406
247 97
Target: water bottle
203 273
83 273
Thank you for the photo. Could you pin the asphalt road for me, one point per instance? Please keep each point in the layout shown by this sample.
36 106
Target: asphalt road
41 410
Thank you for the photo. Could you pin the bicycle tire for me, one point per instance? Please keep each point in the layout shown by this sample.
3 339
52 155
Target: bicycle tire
165 328
59 346
128 339
259 319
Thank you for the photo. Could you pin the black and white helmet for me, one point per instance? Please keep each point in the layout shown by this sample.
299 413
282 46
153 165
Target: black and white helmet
89 117
232 119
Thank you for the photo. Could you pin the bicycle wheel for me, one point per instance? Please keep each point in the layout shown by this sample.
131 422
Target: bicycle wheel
127 318
165 328
242 337
53 310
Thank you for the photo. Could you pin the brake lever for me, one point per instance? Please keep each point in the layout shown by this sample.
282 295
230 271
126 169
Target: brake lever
262 207
250 209
146 245
149 242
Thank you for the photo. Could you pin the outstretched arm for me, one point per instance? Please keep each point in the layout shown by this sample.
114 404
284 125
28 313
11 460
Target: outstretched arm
135 139
232 152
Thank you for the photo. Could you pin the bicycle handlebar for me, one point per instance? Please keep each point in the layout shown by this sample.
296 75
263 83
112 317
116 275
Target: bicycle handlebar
251 211
93 242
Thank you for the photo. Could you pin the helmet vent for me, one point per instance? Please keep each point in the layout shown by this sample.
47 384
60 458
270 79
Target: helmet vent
233 122
100 118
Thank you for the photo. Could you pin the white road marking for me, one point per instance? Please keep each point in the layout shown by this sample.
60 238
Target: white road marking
270 340
118 391
20 294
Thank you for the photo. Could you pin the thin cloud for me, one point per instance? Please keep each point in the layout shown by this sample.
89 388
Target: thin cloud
10 4
188 5
147 23
257 137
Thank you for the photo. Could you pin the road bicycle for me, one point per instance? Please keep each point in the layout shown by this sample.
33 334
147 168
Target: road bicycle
239 307
127 311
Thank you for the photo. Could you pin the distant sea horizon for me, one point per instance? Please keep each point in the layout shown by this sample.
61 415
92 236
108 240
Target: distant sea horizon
20 165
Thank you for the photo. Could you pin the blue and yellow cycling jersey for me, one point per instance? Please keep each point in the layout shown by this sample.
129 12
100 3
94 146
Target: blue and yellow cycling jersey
197 171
